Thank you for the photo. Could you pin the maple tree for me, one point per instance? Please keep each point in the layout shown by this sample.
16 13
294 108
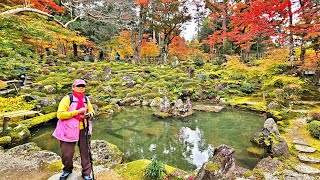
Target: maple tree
167 18
178 48
48 6
308 26
149 49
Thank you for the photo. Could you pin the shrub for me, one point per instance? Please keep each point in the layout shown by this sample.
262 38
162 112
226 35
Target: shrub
154 170
199 62
247 87
314 128
315 116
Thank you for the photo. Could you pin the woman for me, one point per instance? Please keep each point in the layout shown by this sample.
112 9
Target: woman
72 114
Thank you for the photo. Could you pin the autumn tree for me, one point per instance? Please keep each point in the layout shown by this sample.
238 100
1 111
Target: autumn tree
149 49
167 17
178 48
308 26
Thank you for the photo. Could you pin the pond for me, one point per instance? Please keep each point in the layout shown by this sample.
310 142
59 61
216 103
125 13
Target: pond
184 143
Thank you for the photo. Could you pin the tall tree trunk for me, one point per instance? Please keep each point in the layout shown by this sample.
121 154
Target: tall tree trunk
291 42
224 22
303 50
75 49
137 39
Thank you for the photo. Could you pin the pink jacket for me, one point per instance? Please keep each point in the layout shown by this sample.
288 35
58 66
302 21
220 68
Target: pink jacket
68 130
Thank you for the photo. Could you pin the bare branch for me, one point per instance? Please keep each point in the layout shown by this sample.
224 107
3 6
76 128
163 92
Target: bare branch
66 25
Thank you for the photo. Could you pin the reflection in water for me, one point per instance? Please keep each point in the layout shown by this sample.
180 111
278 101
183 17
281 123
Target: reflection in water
196 151
184 144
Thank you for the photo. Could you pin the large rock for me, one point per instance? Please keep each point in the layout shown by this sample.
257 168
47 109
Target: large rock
25 158
261 138
305 169
221 166
269 165
279 148
305 149
128 101
104 153
306 159
164 104
155 102
271 126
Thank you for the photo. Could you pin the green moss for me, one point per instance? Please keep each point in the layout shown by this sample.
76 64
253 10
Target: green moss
136 170
53 167
247 174
109 107
255 151
39 119
150 95
19 133
138 93
5 141
258 173
49 109
212 166
133 170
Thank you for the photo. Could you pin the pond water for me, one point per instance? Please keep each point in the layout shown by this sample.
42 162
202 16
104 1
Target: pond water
184 143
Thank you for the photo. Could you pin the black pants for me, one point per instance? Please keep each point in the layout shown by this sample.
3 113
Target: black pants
67 151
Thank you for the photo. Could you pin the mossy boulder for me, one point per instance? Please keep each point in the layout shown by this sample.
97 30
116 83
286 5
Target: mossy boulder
29 157
221 166
19 133
162 115
5 141
255 151
105 153
136 170
39 120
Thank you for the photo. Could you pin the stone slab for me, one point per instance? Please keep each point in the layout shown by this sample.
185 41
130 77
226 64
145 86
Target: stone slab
299 142
305 149
308 159
72 176
305 169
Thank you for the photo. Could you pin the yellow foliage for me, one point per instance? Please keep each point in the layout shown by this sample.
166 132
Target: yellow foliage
13 104
124 45
3 84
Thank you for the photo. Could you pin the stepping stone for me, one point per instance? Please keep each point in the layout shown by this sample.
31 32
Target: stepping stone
305 149
300 142
305 169
72 176
308 159
292 175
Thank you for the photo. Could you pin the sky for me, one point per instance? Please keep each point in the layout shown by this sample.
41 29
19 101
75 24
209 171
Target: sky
190 28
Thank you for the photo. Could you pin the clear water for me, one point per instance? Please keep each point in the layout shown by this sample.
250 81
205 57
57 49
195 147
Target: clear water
184 143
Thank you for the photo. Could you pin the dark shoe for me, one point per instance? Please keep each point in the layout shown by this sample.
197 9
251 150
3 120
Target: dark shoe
87 177
64 175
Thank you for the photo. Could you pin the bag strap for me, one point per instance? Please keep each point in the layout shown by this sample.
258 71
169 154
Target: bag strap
86 100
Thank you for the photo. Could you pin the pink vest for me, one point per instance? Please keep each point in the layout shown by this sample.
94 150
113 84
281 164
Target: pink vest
68 130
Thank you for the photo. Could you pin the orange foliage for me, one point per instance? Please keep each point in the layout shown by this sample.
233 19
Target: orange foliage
149 49
143 3
89 44
47 6
178 48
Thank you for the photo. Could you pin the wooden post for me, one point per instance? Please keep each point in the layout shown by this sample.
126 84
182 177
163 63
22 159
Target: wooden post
5 124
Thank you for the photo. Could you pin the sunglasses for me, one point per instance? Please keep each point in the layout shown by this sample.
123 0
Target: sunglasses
80 85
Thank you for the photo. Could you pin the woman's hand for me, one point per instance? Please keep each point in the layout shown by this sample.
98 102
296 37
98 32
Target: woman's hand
82 110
